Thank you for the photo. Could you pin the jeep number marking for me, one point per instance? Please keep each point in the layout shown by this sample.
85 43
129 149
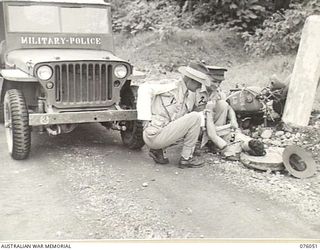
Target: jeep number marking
44 119
42 40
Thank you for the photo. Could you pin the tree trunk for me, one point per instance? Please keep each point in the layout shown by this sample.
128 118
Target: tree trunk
190 5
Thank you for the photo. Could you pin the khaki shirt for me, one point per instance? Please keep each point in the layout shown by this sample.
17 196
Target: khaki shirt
168 102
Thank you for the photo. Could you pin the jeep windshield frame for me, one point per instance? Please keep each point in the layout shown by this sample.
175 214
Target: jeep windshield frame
57 24
58 19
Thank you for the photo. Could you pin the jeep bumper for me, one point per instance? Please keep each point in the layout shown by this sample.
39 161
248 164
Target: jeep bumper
81 117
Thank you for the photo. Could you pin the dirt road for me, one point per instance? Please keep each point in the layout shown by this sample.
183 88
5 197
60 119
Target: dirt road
86 185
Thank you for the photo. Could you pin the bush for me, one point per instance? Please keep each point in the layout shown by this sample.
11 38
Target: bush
141 15
282 31
241 14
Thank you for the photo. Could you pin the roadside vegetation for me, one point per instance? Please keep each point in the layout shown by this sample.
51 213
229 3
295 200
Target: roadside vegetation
254 39
265 27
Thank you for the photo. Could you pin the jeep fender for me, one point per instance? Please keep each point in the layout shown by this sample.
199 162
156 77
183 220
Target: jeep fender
16 75
7 76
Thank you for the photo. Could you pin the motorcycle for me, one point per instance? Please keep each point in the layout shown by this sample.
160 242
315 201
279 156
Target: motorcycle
258 105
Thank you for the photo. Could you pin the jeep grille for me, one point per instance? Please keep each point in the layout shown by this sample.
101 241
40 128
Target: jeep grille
89 83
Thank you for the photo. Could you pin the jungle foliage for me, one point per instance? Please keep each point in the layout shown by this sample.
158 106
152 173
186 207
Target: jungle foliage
270 26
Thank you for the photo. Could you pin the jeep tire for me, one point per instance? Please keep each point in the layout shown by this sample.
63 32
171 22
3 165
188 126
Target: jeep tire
1 113
17 128
132 136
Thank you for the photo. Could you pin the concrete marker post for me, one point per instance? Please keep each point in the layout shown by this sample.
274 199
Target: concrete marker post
305 76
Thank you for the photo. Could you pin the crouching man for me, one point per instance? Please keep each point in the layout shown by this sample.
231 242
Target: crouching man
166 110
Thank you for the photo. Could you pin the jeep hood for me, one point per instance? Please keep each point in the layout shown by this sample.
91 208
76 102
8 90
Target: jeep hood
26 59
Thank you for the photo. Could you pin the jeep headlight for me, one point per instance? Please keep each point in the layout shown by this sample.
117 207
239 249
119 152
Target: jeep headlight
44 73
120 71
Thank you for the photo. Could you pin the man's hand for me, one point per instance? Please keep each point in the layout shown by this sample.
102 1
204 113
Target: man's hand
210 105
207 111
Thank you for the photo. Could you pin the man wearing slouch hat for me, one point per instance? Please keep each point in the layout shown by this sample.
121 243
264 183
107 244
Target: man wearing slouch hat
167 110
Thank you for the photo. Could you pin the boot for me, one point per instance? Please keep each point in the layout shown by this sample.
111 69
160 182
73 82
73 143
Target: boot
197 150
190 163
158 156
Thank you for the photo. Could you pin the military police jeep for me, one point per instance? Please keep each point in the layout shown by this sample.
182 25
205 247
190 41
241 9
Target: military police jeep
58 69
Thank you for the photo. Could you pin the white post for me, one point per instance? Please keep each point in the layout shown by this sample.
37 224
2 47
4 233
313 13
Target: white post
305 76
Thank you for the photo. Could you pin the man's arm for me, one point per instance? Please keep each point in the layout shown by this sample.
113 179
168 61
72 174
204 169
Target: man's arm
211 131
232 117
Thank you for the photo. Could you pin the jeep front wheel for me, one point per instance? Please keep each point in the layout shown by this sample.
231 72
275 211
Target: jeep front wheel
16 121
1 113
132 136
